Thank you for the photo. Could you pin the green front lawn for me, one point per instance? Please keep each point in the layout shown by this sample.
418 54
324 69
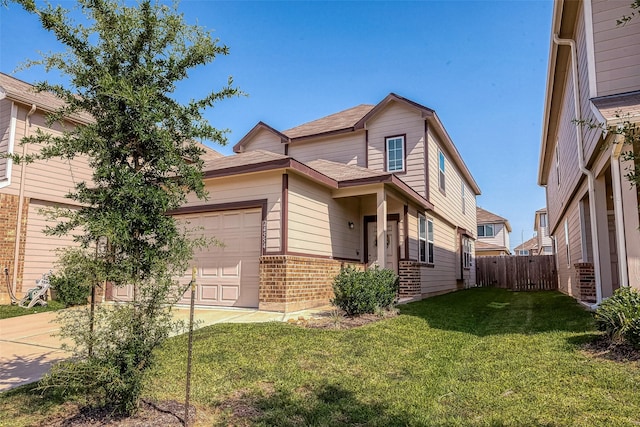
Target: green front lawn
481 357
7 311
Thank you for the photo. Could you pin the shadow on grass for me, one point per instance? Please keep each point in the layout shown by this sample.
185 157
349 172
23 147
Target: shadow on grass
318 405
489 311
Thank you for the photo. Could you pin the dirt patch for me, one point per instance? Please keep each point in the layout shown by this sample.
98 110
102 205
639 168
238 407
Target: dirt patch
150 414
606 349
334 319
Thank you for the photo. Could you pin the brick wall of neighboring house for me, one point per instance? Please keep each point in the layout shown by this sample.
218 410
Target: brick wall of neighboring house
8 227
586 280
290 283
409 272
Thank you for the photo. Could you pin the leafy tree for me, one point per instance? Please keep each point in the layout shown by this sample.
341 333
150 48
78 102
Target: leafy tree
123 64
635 4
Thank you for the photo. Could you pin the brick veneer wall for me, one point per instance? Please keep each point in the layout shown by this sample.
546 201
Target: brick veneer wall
409 272
291 283
586 280
8 228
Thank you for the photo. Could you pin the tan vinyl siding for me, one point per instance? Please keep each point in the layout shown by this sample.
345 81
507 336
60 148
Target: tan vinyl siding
318 224
569 169
449 203
45 179
349 149
617 48
40 249
267 141
249 187
442 276
567 282
500 236
395 120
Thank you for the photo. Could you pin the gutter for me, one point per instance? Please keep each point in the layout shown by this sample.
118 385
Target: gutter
581 164
23 174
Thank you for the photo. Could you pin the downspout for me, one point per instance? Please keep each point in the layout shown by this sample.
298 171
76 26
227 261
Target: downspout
581 164
23 174
619 213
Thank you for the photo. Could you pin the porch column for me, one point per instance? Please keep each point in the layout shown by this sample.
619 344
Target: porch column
630 203
602 224
381 227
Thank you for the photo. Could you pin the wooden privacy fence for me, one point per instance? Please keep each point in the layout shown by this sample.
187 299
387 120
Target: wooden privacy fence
518 273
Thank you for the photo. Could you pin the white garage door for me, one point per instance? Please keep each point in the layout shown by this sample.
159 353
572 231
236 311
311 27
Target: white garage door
226 275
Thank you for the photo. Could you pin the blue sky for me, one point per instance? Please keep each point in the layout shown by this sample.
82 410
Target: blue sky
480 64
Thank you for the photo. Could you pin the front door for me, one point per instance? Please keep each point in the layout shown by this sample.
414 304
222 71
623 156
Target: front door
392 245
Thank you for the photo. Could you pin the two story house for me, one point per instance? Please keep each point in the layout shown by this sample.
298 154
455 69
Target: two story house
530 247
544 244
593 76
28 190
374 185
493 234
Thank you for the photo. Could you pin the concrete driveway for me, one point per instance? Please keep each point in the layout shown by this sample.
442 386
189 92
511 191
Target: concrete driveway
29 346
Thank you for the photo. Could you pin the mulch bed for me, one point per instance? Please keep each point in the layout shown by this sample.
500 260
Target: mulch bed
606 349
336 320
150 414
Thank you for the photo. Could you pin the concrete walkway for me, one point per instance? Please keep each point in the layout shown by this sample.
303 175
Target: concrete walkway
29 346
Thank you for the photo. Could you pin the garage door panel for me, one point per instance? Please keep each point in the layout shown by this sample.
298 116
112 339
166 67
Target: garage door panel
230 293
208 293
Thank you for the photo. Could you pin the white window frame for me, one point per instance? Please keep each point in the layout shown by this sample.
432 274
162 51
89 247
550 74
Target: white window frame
442 160
543 220
430 244
464 203
566 242
422 237
425 239
557 164
389 139
484 232
466 253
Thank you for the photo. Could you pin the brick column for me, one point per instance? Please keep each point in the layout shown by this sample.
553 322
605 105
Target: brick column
409 272
586 280
8 228
291 283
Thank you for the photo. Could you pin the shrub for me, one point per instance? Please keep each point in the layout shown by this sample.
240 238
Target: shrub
619 316
359 292
70 289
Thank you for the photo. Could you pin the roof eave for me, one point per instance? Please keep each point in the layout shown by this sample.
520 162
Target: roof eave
551 71
257 128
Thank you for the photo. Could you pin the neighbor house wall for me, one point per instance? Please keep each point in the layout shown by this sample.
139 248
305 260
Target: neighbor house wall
616 47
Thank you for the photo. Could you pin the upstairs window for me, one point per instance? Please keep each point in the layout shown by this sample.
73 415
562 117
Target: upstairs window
557 164
441 175
395 153
543 220
485 230
464 203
